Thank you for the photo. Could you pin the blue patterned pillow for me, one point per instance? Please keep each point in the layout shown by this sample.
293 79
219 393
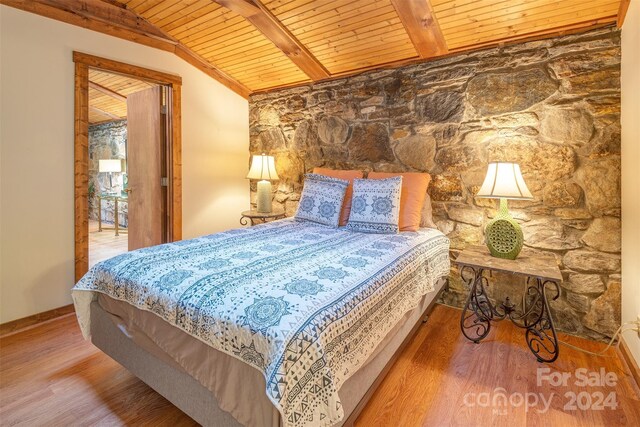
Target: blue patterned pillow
375 207
321 199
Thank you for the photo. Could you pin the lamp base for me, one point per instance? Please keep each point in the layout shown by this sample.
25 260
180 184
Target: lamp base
503 234
264 197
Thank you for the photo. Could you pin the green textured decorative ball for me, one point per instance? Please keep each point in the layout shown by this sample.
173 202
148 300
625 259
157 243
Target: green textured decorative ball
503 234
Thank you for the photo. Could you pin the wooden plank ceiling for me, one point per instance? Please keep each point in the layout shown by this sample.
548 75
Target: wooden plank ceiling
475 22
257 45
223 38
108 95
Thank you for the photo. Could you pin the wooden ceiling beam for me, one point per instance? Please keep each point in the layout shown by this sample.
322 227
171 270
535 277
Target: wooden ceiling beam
98 16
244 8
105 113
265 22
622 12
422 27
116 20
107 91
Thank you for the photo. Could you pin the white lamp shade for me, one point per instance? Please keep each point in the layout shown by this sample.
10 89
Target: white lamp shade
263 168
110 165
504 181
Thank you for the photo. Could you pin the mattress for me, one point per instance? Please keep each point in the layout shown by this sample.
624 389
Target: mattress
304 305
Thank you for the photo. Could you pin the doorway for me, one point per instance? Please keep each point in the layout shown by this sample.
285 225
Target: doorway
127 159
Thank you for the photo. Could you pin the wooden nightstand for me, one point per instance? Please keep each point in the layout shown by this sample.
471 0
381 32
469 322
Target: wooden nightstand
534 316
254 216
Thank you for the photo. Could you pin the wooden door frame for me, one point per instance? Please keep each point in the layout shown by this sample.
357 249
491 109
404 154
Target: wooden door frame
83 62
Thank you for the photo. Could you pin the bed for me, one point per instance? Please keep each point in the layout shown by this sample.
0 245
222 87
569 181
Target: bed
282 324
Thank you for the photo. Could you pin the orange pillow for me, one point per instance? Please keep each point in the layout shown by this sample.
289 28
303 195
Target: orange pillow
414 192
348 175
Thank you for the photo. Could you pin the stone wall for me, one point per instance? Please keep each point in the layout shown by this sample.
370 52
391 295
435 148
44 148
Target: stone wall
106 141
553 106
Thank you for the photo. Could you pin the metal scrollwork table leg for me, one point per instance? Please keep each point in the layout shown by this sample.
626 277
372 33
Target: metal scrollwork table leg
534 315
245 220
541 334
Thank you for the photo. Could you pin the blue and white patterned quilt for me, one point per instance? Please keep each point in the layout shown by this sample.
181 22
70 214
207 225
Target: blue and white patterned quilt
303 303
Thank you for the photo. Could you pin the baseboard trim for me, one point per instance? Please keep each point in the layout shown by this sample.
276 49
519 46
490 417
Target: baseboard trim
630 361
19 325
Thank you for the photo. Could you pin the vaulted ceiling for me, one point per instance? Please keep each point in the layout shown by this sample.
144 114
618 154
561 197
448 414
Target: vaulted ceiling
257 45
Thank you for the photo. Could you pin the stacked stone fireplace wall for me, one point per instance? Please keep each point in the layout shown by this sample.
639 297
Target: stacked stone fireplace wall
553 106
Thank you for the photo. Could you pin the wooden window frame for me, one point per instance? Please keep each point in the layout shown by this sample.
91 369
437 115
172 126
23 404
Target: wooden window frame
83 62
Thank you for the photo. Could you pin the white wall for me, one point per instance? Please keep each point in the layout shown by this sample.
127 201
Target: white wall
36 155
630 177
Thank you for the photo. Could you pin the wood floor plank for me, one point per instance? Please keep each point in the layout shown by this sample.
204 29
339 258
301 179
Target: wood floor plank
50 376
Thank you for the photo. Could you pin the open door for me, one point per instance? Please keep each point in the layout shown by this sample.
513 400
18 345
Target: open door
151 208
146 167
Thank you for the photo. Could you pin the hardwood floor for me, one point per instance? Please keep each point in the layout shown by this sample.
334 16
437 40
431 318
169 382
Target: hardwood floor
440 375
105 244
50 376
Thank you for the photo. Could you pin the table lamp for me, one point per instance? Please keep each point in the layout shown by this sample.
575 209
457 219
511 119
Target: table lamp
110 166
263 168
503 234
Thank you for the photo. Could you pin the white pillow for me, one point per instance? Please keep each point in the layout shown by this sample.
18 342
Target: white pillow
375 206
321 199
